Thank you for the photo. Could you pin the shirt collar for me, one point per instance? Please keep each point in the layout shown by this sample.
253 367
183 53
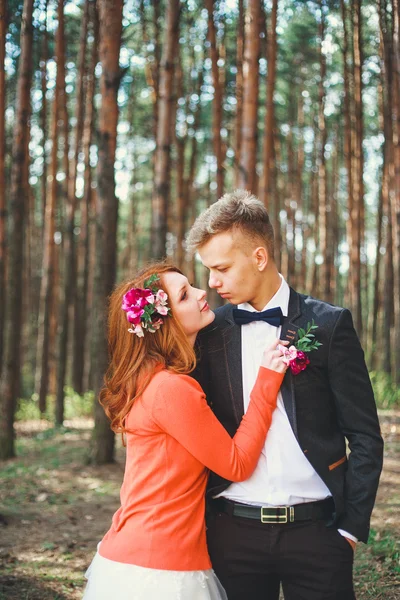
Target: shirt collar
280 298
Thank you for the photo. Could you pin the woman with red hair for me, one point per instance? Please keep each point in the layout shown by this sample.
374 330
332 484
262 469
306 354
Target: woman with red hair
156 546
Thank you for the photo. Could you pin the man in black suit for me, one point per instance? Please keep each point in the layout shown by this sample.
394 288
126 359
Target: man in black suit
297 519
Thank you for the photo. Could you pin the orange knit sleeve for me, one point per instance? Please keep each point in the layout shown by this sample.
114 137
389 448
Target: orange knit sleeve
181 410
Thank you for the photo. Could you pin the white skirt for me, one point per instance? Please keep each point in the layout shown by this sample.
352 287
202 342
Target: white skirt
111 580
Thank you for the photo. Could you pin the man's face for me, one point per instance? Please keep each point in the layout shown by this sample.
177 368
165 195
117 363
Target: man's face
232 265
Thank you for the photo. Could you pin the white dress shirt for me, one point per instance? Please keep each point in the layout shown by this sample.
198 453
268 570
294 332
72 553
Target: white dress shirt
283 476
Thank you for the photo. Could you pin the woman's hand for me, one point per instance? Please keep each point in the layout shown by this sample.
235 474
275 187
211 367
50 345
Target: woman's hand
273 357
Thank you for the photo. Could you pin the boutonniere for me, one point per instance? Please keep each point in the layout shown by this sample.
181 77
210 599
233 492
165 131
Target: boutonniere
296 357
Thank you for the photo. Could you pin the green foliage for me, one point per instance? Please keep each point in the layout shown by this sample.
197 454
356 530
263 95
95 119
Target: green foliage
75 406
387 393
307 341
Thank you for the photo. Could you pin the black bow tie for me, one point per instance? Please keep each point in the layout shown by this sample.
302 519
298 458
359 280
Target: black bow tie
273 316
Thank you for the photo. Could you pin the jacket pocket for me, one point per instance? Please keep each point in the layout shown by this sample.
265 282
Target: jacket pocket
337 463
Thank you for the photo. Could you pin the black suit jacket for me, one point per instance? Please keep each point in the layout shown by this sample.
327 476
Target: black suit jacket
329 402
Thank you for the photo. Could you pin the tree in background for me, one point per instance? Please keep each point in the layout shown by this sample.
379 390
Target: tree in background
10 376
248 153
110 17
162 181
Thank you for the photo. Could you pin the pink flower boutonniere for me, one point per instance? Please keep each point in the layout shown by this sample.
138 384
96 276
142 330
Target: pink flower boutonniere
296 357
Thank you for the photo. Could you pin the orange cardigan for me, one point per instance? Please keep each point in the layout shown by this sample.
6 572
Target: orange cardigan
174 439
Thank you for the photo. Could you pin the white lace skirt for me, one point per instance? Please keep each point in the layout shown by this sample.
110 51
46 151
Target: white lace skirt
110 580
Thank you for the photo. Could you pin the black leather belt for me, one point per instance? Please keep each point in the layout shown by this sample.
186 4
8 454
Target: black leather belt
310 511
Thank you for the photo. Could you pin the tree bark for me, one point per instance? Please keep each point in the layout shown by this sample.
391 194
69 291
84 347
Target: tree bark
9 383
239 88
107 212
395 196
161 195
268 171
217 100
357 211
69 242
46 328
81 312
322 183
3 30
248 157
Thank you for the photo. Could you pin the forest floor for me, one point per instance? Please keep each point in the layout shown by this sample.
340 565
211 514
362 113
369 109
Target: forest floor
54 509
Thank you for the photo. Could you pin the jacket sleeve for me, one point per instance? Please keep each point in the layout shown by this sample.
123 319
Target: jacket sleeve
358 420
181 410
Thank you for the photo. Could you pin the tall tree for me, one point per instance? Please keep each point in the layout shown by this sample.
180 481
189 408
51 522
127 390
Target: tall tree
45 339
3 29
239 87
81 322
248 158
322 178
395 197
10 377
110 14
43 113
218 98
357 213
162 183
69 243
268 171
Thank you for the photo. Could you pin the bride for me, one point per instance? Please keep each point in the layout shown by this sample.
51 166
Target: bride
156 545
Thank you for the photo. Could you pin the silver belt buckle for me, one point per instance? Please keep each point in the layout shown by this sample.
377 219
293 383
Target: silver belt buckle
277 518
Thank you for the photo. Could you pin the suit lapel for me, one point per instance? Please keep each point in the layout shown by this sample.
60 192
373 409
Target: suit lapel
232 335
289 333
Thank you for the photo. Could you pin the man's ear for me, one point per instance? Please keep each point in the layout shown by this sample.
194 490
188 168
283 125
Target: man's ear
260 257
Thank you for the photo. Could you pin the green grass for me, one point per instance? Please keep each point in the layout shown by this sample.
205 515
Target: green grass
387 393
377 567
74 406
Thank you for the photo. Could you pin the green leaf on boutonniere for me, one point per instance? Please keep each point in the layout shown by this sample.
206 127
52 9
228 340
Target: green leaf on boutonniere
307 341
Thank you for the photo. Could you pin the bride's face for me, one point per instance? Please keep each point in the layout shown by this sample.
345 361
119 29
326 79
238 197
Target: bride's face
188 304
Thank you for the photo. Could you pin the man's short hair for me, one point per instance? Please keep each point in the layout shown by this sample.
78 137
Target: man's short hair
239 210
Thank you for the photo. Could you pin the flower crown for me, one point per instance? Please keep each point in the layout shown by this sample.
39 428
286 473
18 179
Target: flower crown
145 307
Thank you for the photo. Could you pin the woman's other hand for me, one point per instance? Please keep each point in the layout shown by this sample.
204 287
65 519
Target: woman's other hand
273 357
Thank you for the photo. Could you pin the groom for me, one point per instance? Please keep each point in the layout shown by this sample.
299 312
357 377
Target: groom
296 521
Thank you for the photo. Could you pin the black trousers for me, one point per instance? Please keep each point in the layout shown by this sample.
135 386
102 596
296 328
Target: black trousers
251 559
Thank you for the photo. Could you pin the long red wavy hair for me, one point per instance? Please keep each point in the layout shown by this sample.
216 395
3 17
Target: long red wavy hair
133 359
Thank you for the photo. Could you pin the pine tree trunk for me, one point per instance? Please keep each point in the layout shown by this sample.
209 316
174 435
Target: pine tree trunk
217 100
290 211
300 276
180 144
347 147
107 212
332 232
239 88
395 197
43 111
248 157
268 171
81 320
3 29
322 187
9 383
160 200
46 325
357 173
157 61
69 243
